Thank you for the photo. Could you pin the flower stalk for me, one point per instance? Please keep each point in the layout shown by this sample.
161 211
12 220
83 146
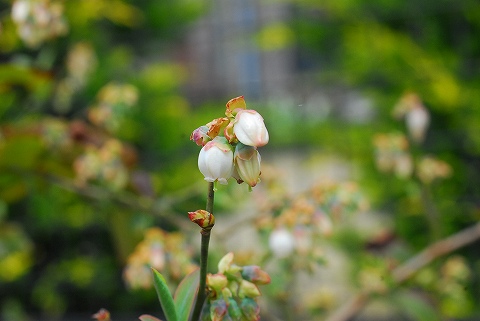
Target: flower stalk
205 232
229 150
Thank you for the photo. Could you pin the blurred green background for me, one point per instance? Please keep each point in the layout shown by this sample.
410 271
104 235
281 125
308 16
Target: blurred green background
98 100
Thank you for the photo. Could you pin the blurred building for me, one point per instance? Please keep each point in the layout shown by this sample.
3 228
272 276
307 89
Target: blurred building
224 54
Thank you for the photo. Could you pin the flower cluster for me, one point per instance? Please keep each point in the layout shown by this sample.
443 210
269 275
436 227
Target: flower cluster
114 103
55 134
80 64
232 292
430 169
166 252
416 116
392 154
103 164
229 145
308 218
38 21
449 280
392 150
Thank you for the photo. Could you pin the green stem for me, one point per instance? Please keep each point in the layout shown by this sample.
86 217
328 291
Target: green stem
202 293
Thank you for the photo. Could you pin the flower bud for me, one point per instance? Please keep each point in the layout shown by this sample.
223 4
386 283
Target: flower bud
255 274
248 289
225 262
281 243
233 309
199 136
202 218
250 309
227 293
205 314
250 128
215 160
218 310
217 282
102 315
247 161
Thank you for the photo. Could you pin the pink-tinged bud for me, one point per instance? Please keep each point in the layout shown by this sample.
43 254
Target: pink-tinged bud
234 105
250 309
217 282
102 315
281 242
225 263
250 128
218 310
199 136
202 218
248 289
215 160
255 274
247 161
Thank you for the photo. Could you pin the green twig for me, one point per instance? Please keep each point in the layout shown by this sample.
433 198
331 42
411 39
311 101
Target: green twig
202 293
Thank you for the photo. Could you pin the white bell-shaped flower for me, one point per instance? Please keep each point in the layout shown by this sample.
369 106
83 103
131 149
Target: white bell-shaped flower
250 128
215 160
281 243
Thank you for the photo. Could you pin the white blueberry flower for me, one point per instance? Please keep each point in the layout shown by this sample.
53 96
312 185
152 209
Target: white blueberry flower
250 128
215 160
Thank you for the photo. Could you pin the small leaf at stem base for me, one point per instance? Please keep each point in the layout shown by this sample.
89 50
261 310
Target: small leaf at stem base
185 295
164 296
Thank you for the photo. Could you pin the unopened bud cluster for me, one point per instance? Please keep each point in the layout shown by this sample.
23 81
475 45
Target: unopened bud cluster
232 292
393 152
229 145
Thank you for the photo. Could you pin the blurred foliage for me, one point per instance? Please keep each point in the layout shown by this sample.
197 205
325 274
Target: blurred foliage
92 131
95 152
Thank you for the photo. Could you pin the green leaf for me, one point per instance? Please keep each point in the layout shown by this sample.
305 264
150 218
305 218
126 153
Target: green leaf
164 296
185 295
147 317
414 307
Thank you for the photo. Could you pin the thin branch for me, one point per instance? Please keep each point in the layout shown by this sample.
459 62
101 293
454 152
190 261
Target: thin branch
160 207
405 271
436 250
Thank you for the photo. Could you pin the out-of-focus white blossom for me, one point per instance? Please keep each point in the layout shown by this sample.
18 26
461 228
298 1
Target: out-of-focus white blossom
416 115
392 154
281 243
38 21
417 120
